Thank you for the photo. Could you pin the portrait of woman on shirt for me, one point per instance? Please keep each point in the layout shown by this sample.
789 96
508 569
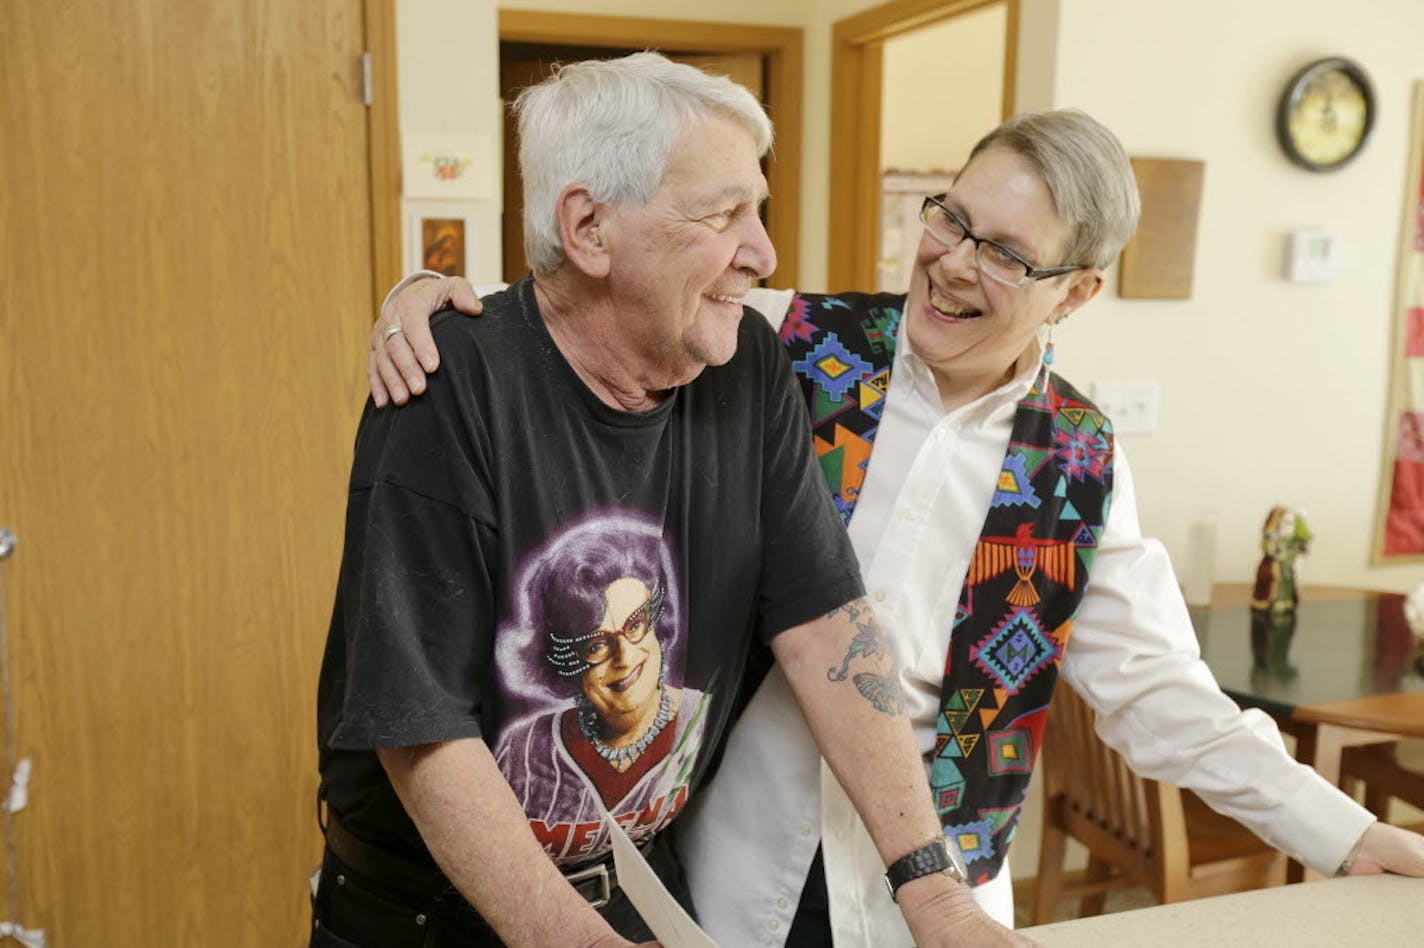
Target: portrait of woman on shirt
598 627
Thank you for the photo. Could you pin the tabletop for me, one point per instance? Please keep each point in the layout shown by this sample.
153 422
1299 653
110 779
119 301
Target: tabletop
1348 659
1357 910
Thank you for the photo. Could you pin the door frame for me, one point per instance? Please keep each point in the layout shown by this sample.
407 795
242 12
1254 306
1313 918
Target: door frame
781 45
857 46
383 149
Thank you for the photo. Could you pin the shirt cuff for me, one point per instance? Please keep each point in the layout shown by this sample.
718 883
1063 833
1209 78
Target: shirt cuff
415 277
1320 825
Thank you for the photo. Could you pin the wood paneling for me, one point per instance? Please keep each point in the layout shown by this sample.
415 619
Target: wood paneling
186 257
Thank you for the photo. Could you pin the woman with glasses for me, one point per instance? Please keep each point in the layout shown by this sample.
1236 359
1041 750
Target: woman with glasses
601 627
995 523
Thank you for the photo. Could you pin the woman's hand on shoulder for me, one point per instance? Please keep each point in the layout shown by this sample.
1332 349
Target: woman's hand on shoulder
402 351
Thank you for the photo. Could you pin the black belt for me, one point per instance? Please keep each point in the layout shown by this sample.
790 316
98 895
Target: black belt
596 882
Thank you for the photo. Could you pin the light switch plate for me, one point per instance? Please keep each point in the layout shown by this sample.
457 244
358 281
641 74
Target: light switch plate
1312 256
1130 406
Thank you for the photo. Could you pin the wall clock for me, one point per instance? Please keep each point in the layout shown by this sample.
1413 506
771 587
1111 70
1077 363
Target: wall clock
1325 114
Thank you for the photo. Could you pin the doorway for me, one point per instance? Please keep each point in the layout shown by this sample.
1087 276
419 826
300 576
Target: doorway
859 46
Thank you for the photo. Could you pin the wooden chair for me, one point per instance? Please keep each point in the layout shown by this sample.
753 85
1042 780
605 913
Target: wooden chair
1393 770
1137 831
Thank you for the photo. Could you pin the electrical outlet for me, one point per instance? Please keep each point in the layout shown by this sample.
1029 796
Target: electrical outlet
1130 406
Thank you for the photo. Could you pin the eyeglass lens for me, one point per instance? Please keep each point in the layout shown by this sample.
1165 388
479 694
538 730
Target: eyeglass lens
993 261
599 648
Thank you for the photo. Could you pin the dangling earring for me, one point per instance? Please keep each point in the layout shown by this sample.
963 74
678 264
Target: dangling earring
1048 346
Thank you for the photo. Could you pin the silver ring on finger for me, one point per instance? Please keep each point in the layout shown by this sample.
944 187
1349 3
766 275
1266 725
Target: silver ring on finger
391 331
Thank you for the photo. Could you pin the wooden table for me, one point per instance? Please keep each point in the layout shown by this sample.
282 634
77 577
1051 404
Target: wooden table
1358 910
1344 675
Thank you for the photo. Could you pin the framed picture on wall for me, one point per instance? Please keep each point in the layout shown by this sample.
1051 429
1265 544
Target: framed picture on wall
1399 528
442 241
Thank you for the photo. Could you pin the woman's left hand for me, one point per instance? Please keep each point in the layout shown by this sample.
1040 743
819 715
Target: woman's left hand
1386 848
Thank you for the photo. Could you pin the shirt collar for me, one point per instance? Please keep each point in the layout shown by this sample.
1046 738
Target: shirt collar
1004 398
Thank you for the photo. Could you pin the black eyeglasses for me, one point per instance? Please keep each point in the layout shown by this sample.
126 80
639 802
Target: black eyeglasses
995 261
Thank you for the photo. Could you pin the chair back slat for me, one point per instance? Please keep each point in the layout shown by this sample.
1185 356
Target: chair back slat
1093 779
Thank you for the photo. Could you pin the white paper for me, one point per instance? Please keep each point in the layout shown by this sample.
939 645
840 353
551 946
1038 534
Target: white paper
671 924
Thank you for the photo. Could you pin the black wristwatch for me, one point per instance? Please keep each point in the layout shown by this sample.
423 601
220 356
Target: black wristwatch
938 856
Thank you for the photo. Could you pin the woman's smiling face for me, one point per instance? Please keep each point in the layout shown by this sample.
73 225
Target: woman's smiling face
625 685
971 329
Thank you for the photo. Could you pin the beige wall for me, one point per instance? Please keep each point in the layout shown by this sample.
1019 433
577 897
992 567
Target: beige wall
448 81
1271 392
916 132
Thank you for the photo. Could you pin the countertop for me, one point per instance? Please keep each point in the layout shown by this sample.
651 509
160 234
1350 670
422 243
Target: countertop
1356 910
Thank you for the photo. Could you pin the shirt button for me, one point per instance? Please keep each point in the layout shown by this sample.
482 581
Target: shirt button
773 925
880 595
805 829
783 902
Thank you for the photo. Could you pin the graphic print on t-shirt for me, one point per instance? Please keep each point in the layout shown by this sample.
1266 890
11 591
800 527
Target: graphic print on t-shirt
591 666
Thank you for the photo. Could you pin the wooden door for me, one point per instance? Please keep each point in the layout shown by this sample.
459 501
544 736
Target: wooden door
185 285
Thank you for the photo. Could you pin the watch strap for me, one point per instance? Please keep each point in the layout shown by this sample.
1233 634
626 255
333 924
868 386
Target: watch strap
930 858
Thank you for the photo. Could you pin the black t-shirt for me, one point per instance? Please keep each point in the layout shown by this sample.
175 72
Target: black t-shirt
526 565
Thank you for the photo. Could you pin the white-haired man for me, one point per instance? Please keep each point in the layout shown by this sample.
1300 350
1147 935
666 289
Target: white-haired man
617 386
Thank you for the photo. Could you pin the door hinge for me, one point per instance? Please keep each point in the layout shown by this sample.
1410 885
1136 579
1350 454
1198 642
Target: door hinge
367 93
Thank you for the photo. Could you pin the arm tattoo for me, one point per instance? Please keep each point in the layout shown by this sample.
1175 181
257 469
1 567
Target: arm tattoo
881 690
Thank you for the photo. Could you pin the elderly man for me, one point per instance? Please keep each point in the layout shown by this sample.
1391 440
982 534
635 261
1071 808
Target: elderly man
995 522
616 394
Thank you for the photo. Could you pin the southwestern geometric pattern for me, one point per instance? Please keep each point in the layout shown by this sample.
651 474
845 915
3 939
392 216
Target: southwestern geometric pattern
1010 751
841 348
975 840
1015 650
1023 586
1014 486
1027 573
833 368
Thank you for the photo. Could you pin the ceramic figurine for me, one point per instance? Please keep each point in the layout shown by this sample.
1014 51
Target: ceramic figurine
1285 538
1271 634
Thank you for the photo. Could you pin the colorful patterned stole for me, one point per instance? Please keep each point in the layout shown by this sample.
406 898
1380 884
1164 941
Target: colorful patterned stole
1026 576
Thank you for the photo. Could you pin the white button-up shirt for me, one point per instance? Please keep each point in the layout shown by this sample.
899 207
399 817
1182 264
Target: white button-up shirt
749 836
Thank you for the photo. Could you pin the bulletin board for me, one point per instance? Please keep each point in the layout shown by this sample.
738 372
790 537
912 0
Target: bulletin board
1399 533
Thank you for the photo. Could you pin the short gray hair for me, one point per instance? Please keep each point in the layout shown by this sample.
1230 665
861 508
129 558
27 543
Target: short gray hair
1087 172
612 125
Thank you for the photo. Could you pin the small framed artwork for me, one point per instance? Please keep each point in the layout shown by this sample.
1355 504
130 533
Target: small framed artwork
1157 262
441 241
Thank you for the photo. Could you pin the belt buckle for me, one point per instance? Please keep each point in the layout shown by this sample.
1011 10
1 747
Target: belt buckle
599 872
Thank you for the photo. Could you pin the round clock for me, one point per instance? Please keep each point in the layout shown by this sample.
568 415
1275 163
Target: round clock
1325 115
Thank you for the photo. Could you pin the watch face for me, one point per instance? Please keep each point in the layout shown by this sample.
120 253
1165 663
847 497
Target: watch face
1326 114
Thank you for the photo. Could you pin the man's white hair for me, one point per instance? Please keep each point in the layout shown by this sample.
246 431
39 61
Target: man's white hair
611 125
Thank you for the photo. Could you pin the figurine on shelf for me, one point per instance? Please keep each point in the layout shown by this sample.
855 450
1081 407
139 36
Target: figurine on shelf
1285 538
